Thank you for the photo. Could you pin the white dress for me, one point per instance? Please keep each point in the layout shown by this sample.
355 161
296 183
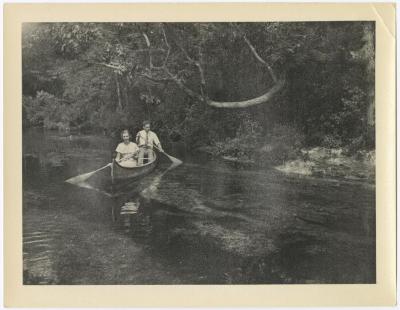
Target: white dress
127 150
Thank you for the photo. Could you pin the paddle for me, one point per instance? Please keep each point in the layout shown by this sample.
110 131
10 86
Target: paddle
174 160
83 177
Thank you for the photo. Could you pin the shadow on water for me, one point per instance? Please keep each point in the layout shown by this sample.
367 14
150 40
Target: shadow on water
203 223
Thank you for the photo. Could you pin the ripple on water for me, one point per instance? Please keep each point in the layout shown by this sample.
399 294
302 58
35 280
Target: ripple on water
39 237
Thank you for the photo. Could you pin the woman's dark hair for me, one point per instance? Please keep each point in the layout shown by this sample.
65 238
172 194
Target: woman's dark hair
124 131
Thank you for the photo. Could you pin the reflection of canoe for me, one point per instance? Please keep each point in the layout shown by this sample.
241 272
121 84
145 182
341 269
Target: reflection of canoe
122 173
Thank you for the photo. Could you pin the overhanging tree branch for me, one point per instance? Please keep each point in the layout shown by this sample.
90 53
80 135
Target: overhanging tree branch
171 76
247 103
150 54
197 64
278 84
169 46
258 57
183 87
255 53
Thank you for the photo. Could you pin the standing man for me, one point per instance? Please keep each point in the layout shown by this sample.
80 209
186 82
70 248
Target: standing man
146 139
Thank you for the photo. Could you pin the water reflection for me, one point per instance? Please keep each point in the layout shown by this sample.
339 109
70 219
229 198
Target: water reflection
136 221
130 208
205 222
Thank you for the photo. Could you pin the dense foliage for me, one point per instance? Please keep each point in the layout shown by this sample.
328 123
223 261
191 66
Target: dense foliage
105 76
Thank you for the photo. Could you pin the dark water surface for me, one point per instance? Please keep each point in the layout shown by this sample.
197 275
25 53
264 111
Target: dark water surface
204 222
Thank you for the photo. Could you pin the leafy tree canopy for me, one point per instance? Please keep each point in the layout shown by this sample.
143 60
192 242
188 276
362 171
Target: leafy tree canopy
203 81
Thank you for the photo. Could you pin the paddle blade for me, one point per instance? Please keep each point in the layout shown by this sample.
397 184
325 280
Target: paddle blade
175 161
83 177
80 178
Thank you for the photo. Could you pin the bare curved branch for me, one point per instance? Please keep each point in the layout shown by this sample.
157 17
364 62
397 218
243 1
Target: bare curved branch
147 40
169 76
197 64
247 103
183 87
169 46
255 53
252 48
150 54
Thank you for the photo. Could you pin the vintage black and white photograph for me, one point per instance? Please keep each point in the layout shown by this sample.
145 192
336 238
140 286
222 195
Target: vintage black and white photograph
198 153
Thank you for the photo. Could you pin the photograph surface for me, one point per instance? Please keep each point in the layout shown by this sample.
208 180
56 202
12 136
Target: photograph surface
198 153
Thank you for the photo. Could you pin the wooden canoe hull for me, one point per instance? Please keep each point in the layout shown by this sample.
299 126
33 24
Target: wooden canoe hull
119 173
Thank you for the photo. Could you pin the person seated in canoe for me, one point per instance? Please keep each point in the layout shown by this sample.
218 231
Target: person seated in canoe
146 139
127 151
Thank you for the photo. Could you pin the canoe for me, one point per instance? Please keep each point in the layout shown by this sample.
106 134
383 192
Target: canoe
119 173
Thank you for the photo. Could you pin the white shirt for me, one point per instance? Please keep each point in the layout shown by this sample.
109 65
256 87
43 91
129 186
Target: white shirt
144 138
127 149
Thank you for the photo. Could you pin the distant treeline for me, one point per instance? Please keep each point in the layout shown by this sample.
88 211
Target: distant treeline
294 84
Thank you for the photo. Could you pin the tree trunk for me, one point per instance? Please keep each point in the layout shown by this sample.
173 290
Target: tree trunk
126 87
118 92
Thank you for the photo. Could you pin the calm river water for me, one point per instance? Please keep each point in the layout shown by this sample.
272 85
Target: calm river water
204 222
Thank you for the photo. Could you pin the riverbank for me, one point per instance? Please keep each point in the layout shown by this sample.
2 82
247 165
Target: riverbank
316 162
323 162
